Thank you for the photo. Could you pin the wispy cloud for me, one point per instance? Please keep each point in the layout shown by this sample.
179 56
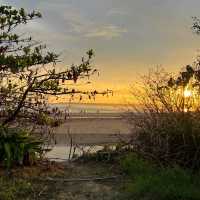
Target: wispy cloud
117 12
107 32
76 23
66 22
79 25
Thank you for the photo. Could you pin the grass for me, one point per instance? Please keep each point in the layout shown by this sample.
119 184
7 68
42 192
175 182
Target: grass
12 189
143 181
27 184
150 182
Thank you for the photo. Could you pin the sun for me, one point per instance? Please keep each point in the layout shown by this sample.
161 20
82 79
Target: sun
187 93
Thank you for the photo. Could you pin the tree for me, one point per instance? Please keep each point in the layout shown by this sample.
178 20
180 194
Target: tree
167 127
196 25
166 117
28 73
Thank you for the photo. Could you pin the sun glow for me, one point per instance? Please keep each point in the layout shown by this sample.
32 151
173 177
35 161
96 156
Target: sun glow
187 93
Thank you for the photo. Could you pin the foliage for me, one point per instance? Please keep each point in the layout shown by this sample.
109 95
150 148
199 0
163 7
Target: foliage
28 73
14 189
150 182
17 147
166 122
28 77
109 153
196 25
166 115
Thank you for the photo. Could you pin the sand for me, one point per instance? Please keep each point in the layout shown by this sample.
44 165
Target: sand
93 129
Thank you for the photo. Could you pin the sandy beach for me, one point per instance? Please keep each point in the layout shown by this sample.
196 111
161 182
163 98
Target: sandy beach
93 129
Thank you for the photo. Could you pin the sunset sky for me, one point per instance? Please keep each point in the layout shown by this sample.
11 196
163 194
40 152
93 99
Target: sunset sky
128 36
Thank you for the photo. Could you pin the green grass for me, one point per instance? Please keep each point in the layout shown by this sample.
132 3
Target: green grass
150 182
11 189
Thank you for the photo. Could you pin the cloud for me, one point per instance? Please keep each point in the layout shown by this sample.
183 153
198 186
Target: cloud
107 32
79 25
65 21
76 23
117 12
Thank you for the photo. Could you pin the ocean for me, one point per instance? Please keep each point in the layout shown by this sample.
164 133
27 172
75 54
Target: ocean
90 108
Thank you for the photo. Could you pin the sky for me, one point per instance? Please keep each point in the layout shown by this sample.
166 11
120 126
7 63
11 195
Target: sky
128 36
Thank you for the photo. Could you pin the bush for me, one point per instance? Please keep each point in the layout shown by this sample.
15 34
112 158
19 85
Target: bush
17 147
170 138
166 122
150 182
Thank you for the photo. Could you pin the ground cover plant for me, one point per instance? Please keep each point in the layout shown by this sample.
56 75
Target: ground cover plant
151 182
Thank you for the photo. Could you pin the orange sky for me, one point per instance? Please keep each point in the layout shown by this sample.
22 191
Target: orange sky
128 36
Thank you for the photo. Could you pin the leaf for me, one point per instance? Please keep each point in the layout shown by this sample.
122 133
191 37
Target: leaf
8 154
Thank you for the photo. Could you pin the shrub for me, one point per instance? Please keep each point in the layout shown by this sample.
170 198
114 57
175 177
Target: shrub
18 147
171 138
166 123
150 182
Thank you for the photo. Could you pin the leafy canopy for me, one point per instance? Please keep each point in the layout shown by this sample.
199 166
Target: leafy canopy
28 72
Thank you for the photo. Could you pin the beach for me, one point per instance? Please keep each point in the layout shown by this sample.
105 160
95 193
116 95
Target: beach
89 128
92 124
93 129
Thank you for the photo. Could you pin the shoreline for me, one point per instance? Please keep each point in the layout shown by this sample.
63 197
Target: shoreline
89 139
94 124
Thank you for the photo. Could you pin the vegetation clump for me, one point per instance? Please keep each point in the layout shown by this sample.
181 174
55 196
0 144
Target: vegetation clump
14 189
166 120
18 147
151 182
28 77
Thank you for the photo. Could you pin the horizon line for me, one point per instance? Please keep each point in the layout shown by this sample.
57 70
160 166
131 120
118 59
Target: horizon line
105 104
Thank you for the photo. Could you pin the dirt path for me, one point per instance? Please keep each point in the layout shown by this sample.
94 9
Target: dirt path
108 189
84 190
